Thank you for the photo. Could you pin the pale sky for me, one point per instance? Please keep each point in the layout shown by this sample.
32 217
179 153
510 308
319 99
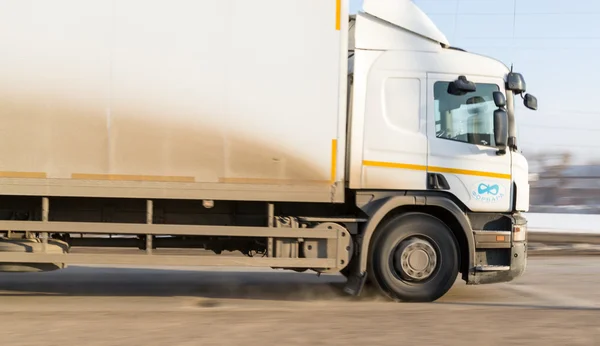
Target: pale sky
556 45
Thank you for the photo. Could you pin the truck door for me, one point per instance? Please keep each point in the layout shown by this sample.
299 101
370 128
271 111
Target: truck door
462 156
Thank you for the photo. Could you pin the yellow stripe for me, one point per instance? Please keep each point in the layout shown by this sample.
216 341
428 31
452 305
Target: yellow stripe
25 175
436 169
271 181
394 165
338 15
469 172
334 160
124 177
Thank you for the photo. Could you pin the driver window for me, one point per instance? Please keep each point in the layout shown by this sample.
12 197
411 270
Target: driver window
468 118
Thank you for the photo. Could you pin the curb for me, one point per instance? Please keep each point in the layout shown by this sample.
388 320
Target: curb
563 238
554 243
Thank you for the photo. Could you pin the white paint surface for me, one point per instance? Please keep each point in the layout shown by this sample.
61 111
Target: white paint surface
405 14
209 89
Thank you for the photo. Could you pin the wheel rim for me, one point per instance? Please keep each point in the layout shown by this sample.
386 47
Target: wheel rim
415 259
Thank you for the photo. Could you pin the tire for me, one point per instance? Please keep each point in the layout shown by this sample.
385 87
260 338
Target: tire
400 245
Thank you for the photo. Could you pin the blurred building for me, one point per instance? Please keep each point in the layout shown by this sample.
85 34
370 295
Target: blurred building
560 188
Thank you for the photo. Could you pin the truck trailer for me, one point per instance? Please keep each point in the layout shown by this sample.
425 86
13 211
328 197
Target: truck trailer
287 134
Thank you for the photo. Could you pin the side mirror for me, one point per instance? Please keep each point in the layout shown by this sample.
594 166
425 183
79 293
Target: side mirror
501 130
461 86
515 82
530 102
499 99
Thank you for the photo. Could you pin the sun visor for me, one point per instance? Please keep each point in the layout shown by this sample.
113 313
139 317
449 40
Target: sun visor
405 14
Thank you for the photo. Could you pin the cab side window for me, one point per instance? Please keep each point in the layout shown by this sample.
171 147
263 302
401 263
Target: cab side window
468 118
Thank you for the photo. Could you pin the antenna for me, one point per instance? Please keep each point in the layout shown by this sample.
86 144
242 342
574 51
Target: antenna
514 31
456 19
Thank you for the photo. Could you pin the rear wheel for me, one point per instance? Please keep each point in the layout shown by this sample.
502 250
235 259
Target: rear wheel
414 257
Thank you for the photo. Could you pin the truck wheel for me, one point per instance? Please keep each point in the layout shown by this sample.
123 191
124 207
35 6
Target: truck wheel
414 258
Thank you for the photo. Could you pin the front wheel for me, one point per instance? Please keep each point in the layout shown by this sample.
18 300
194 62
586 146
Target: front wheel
414 257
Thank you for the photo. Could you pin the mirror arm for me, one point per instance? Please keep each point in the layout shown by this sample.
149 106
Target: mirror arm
512 143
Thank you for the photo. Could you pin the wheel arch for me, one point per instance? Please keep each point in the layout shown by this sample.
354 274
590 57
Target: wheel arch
382 209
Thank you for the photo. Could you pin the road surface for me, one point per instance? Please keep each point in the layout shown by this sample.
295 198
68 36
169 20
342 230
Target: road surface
556 303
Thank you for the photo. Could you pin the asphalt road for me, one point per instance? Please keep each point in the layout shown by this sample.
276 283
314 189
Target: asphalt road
556 303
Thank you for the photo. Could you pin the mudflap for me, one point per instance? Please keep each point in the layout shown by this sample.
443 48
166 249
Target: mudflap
355 284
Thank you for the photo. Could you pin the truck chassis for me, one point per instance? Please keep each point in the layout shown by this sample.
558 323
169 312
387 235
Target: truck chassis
283 242
354 241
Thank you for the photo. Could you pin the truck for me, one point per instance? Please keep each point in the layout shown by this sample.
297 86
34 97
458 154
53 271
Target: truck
286 134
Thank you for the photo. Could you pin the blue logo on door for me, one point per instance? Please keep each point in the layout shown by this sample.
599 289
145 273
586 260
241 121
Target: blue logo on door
485 189
488 192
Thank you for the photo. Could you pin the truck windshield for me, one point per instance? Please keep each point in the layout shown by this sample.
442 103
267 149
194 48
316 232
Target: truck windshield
468 118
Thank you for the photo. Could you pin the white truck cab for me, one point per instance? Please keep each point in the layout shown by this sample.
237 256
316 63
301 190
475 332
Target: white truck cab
411 132
438 122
